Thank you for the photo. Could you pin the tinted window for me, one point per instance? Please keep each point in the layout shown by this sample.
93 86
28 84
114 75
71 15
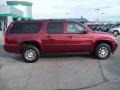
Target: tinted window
55 27
74 28
28 27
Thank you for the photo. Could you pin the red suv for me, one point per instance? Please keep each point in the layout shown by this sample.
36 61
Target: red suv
36 37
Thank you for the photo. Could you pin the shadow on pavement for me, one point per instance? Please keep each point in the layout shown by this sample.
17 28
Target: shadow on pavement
54 56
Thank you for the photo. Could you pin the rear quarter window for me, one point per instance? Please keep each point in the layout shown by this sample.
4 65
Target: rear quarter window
25 28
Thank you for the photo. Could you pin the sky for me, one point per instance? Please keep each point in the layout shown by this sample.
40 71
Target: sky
109 9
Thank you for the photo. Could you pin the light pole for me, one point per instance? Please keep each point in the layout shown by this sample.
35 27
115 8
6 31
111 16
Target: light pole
97 14
67 15
102 16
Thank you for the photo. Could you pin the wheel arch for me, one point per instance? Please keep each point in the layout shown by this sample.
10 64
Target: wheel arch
103 41
34 43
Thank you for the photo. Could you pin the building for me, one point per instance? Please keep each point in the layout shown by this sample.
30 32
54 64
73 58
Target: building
14 11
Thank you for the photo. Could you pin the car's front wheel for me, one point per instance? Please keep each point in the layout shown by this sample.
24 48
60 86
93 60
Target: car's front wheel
103 51
30 54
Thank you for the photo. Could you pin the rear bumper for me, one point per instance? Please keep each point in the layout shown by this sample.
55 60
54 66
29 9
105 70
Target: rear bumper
12 48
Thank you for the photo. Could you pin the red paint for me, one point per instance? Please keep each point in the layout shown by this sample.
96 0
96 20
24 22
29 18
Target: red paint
58 42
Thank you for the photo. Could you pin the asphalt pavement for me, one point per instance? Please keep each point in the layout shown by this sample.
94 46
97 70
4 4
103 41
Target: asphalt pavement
59 72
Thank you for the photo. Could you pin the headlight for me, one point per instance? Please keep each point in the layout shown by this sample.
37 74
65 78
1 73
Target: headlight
115 39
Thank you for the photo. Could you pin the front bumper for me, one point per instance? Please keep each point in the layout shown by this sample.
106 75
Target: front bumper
114 47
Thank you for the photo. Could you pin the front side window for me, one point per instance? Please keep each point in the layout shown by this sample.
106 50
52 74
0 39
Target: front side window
55 28
75 28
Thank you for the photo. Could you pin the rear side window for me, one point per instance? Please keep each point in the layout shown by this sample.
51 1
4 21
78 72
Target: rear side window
24 28
55 28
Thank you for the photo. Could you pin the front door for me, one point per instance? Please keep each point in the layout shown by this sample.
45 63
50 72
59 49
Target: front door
78 40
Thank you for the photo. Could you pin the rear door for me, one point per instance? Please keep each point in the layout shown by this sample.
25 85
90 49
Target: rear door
54 39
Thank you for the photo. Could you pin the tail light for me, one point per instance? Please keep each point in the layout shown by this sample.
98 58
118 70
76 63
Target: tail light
7 32
5 38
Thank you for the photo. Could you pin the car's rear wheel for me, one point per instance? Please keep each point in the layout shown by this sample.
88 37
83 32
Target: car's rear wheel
30 53
103 51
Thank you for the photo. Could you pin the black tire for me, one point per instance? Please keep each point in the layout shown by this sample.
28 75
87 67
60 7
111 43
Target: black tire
100 51
30 53
115 32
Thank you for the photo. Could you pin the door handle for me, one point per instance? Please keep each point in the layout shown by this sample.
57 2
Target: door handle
69 36
47 37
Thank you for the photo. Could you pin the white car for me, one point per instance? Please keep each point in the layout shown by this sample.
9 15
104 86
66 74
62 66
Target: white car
115 30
